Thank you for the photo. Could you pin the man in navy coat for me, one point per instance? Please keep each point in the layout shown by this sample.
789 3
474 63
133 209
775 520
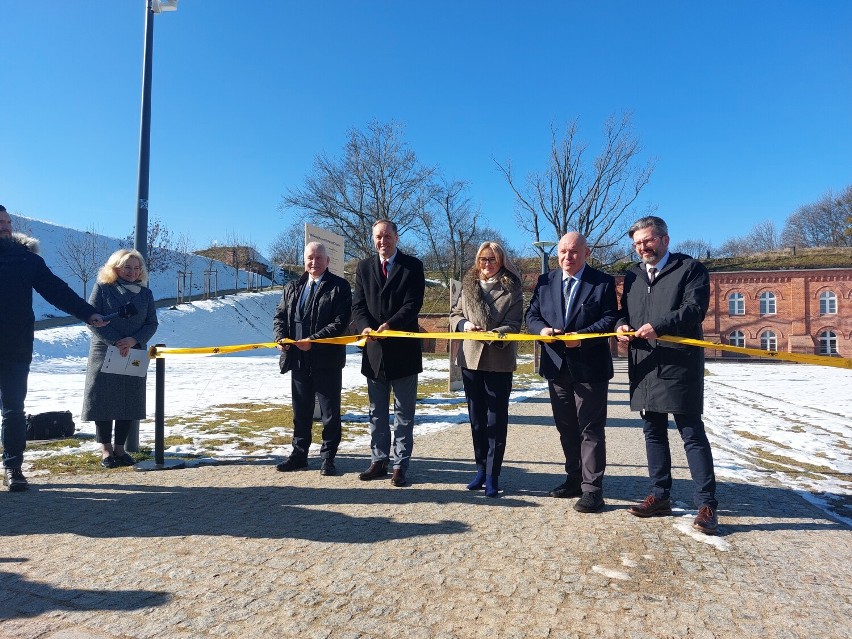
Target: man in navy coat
577 298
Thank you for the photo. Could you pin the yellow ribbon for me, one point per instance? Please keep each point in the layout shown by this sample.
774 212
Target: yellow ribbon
489 336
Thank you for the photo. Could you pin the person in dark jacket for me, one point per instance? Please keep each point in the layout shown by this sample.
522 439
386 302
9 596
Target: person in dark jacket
577 298
316 306
109 397
22 270
668 294
491 299
389 289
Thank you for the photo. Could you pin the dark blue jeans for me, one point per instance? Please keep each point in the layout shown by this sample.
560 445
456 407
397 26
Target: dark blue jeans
13 392
698 455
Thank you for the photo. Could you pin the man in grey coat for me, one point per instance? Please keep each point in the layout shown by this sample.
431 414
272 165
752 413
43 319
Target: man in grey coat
22 270
668 294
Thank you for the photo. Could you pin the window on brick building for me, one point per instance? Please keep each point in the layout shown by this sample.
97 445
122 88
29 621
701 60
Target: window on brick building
828 343
827 303
768 341
767 303
736 304
736 338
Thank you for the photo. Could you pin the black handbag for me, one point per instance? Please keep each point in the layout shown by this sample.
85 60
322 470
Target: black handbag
56 424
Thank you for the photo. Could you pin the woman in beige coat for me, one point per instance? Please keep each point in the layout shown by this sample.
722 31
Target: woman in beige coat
491 300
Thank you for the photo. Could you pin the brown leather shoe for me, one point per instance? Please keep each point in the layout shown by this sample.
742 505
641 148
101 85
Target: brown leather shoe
652 507
398 478
376 470
706 521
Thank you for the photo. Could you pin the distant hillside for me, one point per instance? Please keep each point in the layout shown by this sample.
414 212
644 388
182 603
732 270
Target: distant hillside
163 284
840 257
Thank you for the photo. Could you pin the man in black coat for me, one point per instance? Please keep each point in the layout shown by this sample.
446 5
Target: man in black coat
389 289
577 298
21 272
316 306
668 294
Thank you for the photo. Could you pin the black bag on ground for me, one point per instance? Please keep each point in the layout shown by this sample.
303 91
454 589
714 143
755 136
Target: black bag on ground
56 424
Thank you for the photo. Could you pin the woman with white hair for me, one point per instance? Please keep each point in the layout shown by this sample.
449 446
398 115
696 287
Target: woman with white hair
108 397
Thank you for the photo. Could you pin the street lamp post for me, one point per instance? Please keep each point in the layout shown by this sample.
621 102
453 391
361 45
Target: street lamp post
140 240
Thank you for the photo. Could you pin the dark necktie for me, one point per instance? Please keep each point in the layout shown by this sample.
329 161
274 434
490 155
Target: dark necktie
568 286
652 273
306 306
384 270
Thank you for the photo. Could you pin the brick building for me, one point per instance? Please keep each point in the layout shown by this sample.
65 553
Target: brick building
794 311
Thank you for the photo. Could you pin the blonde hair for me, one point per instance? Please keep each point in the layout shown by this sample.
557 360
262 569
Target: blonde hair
109 271
504 260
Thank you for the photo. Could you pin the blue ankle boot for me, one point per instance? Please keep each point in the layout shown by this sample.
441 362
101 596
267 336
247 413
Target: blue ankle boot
491 488
478 481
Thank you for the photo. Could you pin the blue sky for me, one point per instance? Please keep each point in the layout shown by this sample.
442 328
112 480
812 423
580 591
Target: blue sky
745 106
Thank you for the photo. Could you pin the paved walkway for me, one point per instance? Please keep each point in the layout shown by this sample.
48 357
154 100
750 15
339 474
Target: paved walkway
244 551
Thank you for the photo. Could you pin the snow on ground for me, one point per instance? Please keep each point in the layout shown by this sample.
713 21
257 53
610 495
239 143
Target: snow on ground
771 423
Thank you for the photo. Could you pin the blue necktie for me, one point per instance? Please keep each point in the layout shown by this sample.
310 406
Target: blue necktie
567 286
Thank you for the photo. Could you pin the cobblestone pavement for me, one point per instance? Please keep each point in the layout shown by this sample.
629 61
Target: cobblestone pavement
244 551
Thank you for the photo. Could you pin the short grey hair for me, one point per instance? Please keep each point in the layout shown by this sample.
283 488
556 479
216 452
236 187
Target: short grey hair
319 246
651 221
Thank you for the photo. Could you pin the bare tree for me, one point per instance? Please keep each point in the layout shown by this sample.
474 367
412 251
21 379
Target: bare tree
184 248
827 222
697 248
576 194
21 224
83 254
288 246
378 176
763 237
448 228
159 245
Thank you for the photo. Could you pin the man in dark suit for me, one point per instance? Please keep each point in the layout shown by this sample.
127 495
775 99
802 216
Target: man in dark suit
316 306
577 298
389 290
668 294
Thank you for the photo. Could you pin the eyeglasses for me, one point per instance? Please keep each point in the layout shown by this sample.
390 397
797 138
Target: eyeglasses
487 260
649 241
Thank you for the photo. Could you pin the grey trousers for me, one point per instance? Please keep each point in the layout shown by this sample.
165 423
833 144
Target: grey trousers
404 400
579 410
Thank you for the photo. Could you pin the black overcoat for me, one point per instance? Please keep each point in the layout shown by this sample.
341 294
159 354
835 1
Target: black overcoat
396 302
331 311
22 270
666 377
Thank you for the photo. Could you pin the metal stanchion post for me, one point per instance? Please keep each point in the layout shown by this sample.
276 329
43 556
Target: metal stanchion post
159 462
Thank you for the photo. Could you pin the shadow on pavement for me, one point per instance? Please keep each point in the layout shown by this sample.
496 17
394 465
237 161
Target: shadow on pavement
23 598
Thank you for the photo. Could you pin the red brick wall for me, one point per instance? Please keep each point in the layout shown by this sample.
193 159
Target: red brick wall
797 322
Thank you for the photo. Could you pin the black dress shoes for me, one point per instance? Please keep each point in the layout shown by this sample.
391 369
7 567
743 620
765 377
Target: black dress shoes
14 480
376 470
109 462
328 469
291 464
590 503
567 489
124 460
398 478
